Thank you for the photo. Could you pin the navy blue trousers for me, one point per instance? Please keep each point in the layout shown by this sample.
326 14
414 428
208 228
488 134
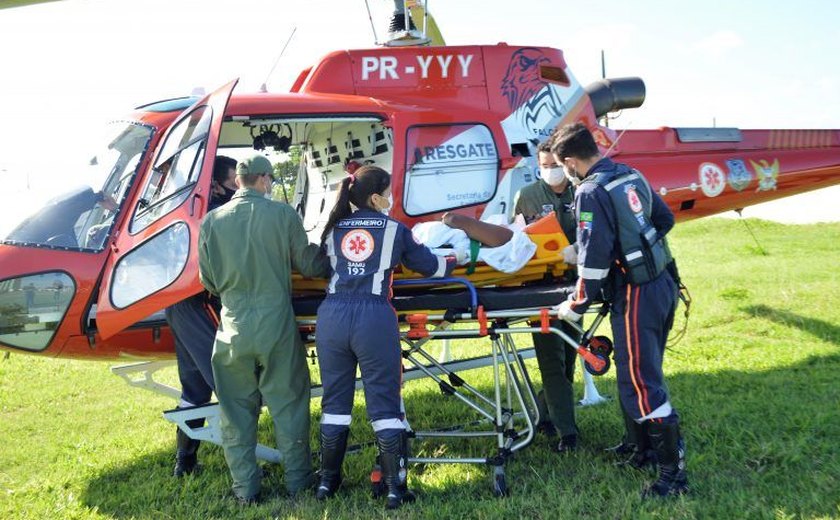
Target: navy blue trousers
194 322
363 332
641 317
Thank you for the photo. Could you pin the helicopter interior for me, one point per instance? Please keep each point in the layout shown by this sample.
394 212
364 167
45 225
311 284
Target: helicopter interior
317 152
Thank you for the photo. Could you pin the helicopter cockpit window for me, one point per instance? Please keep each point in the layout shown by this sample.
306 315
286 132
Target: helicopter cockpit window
176 169
449 166
79 219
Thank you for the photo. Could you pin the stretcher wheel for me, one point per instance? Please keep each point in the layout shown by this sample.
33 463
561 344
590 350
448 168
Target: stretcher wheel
500 488
601 345
592 370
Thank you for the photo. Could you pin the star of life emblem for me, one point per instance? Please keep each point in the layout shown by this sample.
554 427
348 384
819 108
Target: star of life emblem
712 179
357 245
633 200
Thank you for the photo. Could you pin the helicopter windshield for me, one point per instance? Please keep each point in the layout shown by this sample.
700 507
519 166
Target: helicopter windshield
76 208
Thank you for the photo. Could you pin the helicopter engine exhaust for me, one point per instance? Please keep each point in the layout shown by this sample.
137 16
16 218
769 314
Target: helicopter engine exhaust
611 95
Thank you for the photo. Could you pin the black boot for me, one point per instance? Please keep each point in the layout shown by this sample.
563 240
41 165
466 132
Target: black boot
670 454
634 450
186 456
394 472
333 448
632 433
567 444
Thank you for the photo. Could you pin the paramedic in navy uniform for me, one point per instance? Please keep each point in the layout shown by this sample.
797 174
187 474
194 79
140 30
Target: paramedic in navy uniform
622 249
194 321
358 324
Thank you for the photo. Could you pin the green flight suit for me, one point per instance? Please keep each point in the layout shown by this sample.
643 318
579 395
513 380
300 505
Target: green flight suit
247 250
555 358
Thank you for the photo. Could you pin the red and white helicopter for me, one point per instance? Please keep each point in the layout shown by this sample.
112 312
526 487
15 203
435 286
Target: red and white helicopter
456 125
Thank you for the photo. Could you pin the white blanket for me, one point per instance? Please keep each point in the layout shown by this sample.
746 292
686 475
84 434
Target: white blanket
507 258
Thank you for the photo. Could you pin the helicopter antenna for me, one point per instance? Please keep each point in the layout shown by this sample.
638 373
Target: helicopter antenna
264 87
603 66
604 76
372 25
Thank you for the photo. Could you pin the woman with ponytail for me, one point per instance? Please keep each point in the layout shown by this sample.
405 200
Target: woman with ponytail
357 325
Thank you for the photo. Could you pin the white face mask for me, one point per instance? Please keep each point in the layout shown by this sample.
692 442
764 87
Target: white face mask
553 176
386 211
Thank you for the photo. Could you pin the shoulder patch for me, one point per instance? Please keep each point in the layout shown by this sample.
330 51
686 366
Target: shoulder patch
586 216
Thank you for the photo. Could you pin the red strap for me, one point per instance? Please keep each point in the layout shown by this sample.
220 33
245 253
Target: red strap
544 321
482 320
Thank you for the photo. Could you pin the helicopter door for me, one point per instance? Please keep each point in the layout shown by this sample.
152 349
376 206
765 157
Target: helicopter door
155 257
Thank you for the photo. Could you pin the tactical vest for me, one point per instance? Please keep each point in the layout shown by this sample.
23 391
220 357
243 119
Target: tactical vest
644 254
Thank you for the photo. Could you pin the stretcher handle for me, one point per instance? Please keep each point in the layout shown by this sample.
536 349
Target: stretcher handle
587 334
445 281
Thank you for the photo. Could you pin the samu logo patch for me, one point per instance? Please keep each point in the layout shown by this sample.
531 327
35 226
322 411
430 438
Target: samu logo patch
634 200
357 245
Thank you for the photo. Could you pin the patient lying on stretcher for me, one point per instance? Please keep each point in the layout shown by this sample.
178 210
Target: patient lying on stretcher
504 247
490 253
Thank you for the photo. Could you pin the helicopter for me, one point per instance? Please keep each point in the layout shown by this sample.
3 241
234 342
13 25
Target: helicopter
87 274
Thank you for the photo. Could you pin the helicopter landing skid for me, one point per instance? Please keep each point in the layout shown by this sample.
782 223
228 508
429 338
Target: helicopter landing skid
141 375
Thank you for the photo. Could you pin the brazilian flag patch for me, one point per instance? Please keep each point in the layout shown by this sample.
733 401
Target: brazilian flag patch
586 216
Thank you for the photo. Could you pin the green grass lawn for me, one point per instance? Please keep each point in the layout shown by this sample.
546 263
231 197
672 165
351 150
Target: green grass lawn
755 381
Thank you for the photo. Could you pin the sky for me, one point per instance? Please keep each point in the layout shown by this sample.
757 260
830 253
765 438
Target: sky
67 67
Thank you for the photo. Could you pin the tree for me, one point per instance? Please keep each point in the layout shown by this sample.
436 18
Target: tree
286 173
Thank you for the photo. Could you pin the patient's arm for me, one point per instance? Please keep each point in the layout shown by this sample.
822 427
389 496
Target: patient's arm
489 235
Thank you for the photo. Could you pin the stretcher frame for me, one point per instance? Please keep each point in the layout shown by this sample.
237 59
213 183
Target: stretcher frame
512 411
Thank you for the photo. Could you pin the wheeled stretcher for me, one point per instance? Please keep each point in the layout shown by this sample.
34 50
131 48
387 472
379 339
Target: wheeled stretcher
508 413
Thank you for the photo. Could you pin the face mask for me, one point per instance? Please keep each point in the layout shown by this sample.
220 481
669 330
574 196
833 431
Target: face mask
226 194
553 176
387 209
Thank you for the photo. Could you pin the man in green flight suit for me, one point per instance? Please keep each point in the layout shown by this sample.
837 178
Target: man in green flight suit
555 358
247 249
